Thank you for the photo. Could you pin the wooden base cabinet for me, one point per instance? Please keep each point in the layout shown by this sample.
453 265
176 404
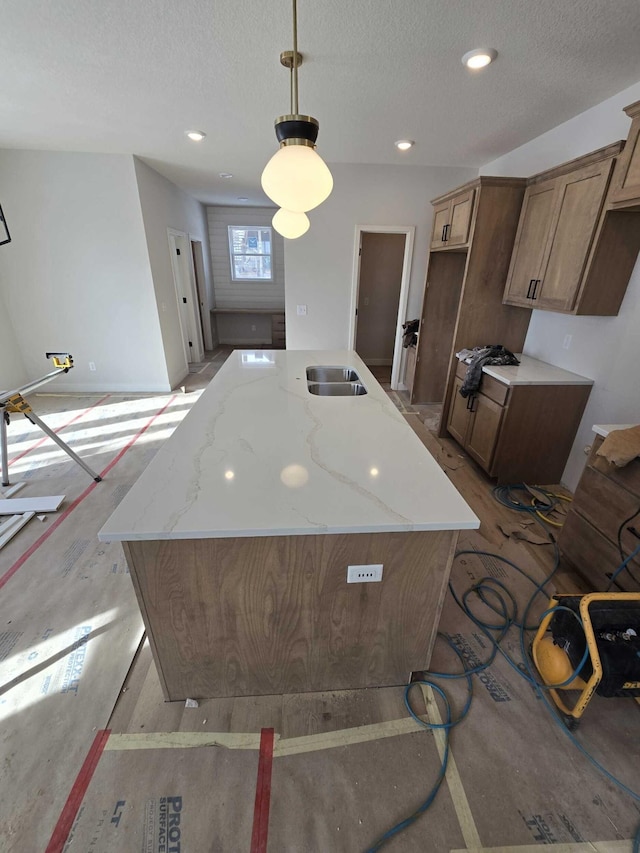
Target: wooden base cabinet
605 497
517 433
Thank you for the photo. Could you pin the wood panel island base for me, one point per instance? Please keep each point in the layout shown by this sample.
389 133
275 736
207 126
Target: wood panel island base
240 533
239 617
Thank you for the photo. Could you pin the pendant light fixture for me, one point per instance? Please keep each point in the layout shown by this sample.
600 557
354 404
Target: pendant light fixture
296 178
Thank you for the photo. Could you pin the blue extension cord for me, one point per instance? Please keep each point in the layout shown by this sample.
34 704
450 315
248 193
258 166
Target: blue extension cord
484 588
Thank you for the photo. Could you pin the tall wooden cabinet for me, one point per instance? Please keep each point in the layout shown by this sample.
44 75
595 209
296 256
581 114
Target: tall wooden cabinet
465 282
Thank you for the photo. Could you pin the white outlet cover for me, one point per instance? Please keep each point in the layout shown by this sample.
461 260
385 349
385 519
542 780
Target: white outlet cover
371 573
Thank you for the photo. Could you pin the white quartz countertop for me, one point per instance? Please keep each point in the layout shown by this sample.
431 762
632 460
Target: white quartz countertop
259 455
531 371
605 429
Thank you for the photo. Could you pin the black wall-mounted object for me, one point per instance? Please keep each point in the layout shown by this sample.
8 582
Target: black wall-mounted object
5 237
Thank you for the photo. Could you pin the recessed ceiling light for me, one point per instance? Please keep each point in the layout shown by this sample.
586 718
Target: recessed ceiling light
404 144
226 175
479 57
242 198
196 135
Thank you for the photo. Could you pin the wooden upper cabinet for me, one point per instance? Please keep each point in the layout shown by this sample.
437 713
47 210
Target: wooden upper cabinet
626 182
460 219
579 201
452 221
530 243
440 220
573 253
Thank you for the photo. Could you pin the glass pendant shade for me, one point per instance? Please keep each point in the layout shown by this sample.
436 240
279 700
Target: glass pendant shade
290 224
296 178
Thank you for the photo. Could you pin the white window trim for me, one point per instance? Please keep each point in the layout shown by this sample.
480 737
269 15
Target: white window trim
232 254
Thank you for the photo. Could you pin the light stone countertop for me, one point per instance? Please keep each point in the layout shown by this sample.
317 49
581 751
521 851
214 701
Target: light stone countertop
258 455
605 429
531 371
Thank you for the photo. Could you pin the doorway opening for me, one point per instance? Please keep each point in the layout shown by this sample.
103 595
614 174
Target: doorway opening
382 269
184 278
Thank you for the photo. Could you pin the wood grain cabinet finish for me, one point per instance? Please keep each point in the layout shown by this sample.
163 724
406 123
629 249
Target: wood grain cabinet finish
463 304
575 251
519 433
274 614
560 224
475 424
278 331
605 497
452 221
626 184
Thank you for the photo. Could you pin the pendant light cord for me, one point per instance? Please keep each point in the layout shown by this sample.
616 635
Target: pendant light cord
294 69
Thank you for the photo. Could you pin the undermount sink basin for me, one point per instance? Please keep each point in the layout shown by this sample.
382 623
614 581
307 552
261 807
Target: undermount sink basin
336 389
332 374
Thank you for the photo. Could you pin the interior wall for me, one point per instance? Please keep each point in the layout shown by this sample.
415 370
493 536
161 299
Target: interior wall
320 264
76 275
606 349
238 329
381 263
13 373
164 205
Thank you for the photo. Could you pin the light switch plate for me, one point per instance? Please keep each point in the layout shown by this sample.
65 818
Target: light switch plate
302 310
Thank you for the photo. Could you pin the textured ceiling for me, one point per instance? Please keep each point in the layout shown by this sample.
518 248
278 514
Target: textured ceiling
131 76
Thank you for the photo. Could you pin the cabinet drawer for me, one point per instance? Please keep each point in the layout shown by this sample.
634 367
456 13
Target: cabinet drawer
490 387
277 321
628 476
606 505
592 556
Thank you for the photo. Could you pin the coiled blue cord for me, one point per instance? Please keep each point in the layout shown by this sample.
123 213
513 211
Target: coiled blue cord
484 589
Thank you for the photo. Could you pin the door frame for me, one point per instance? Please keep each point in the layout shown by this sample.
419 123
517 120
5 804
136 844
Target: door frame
409 232
200 282
182 270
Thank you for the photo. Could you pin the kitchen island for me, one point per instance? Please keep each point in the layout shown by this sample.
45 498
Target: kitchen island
240 532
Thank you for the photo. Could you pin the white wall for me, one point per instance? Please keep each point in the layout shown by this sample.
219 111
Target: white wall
238 329
165 206
320 264
76 275
606 349
13 373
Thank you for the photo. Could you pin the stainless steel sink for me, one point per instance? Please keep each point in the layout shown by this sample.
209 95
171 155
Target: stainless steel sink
336 389
332 374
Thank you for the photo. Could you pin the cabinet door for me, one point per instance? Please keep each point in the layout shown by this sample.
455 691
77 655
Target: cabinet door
628 169
459 414
530 244
580 197
460 219
440 221
483 430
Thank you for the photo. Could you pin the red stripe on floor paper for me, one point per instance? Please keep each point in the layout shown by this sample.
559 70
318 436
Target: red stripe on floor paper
23 559
263 793
76 796
68 423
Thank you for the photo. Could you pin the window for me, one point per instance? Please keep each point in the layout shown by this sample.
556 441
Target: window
250 253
